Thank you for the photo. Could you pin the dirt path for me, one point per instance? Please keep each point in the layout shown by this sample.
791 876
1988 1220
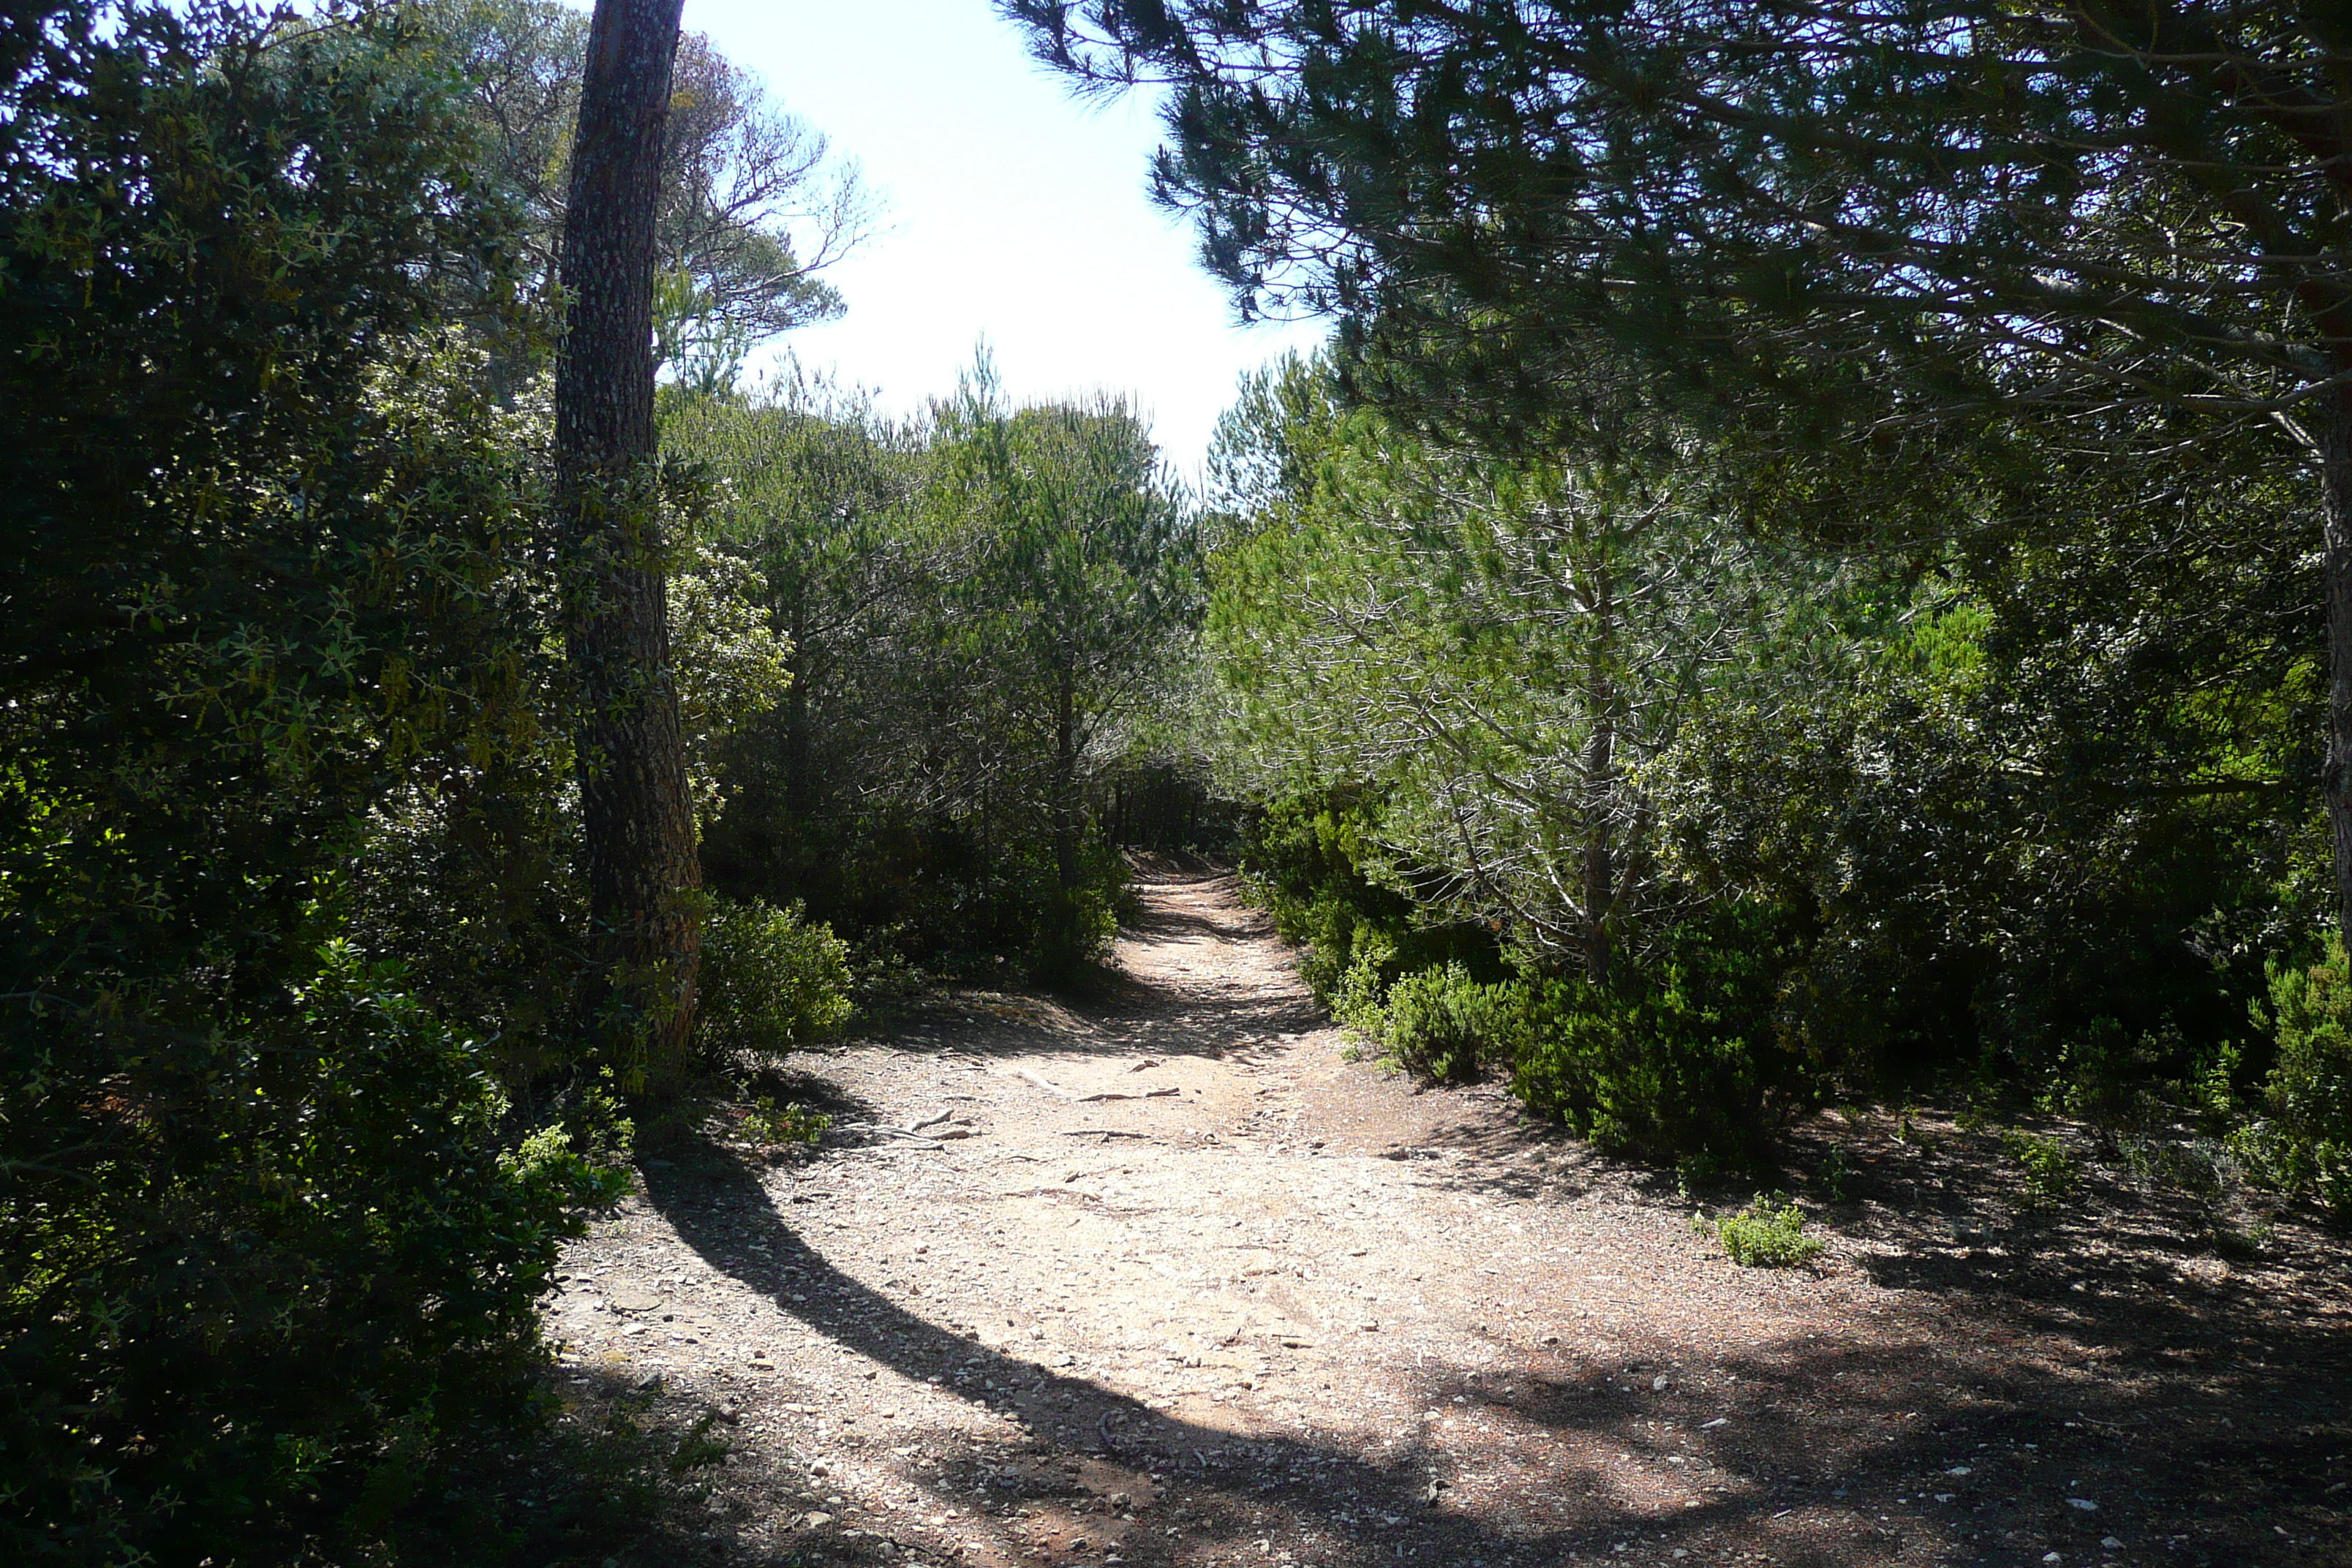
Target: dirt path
1178 1284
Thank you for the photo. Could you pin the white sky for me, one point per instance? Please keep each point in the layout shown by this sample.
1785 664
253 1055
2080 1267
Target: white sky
1016 214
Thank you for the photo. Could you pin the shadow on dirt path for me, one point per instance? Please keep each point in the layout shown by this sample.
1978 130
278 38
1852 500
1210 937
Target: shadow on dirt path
1170 1281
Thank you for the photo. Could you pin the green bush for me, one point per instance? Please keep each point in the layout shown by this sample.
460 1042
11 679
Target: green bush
1762 1237
1359 999
1444 1026
272 1235
2305 1145
312 1276
771 980
1678 1056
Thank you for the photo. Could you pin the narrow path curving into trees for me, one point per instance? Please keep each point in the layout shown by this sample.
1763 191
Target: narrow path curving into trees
1177 1282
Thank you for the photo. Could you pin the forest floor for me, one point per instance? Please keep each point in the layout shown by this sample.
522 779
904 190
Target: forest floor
1168 1278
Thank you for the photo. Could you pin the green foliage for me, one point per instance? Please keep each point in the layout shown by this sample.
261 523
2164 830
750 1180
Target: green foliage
980 607
272 1233
1445 1026
2305 1144
313 1271
733 667
1784 222
2052 1170
1683 1053
1838 1171
752 210
768 1122
1301 858
771 980
1760 1235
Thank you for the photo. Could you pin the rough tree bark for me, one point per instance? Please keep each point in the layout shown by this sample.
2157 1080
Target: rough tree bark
642 875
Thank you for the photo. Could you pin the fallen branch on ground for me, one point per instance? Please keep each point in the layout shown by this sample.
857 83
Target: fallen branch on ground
1058 1092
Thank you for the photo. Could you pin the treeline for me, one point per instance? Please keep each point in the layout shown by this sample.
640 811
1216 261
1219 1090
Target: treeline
1817 565
984 607
306 1073
1604 770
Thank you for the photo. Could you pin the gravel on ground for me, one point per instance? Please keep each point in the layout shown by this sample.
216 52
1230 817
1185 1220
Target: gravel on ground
1174 1278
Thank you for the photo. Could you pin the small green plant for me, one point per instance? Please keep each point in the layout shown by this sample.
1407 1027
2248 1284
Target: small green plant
1760 1235
2242 1242
1360 998
2052 1172
2200 1168
1694 1171
768 1122
1837 1171
698 1449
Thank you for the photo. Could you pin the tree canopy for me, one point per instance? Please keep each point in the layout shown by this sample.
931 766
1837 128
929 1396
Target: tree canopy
1827 223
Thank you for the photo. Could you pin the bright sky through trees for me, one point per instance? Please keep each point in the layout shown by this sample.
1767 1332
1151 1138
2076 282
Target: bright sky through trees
1014 214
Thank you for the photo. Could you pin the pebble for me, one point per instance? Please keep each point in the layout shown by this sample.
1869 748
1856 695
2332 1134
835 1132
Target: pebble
2085 1504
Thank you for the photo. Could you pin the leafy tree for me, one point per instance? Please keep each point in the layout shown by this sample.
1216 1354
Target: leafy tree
1069 555
1504 653
754 208
271 1235
980 605
1836 225
813 492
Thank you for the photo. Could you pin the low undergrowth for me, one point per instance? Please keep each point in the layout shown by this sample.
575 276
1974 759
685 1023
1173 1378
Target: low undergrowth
1762 1235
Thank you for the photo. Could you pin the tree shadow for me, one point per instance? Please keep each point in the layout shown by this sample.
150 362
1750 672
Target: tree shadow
1817 1453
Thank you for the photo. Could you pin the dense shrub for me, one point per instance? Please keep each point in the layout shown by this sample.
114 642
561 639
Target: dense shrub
271 1231
313 1277
2305 1142
982 603
1682 1054
2052 1170
771 980
1302 857
1444 1026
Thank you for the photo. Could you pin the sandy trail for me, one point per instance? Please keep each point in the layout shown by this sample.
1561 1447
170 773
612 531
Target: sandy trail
1263 1305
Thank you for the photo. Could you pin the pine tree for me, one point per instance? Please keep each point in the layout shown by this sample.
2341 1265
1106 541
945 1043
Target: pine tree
1831 224
637 813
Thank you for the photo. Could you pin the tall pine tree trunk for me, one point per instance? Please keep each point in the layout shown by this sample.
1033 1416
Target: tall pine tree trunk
2335 433
642 875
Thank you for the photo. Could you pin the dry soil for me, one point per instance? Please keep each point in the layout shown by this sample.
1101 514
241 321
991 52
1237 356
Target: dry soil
1173 1278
